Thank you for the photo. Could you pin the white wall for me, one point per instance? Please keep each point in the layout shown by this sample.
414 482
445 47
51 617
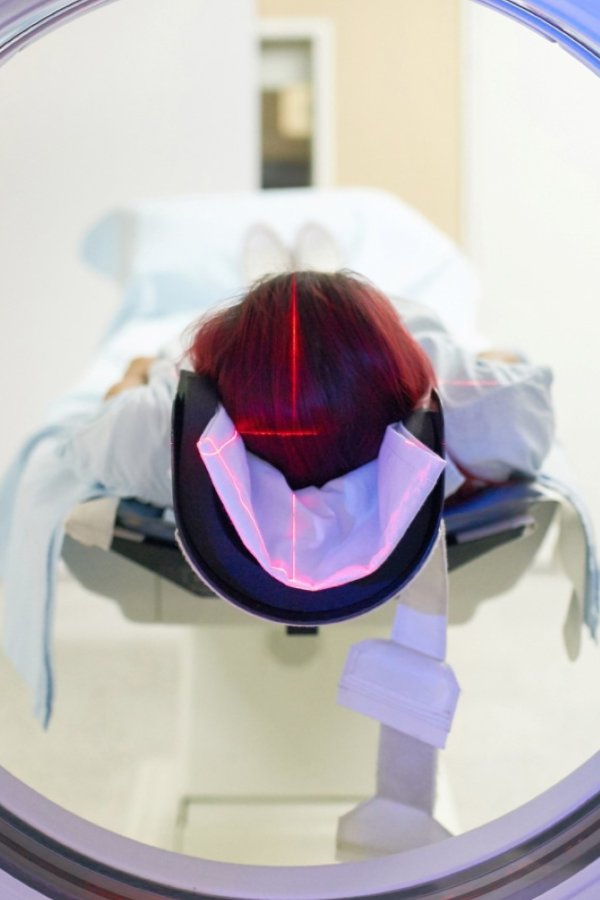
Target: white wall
140 98
531 135
145 97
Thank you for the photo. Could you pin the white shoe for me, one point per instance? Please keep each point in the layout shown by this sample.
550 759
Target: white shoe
317 249
264 253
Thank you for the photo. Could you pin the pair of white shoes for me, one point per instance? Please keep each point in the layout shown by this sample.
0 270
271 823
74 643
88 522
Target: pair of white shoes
264 253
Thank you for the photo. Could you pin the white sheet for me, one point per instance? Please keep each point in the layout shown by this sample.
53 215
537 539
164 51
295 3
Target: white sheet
183 254
318 538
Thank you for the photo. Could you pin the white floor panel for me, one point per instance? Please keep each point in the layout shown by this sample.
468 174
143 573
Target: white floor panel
286 832
527 716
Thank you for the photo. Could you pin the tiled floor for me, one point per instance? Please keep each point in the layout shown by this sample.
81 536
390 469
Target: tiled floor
527 715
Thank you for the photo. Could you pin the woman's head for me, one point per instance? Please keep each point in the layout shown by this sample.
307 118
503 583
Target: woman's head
312 367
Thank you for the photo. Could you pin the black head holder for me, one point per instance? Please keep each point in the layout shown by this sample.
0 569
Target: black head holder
214 551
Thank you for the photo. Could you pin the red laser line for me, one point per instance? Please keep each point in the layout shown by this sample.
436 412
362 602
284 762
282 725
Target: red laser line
275 433
293 538
296 432
217 450
294 351
294 360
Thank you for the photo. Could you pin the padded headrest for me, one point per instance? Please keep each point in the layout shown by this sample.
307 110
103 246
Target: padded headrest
215 552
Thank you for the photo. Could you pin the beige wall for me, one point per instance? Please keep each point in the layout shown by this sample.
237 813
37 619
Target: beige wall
397 96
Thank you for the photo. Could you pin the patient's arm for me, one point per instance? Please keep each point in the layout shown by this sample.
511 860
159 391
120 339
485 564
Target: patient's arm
498 410
125 446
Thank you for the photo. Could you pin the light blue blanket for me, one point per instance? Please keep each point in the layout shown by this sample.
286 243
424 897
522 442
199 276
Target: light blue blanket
40 489
36 496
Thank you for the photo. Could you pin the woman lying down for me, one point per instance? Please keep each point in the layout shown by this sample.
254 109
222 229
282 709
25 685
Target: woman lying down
312 368
313 371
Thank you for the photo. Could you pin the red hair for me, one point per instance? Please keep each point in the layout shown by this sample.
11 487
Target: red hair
311 368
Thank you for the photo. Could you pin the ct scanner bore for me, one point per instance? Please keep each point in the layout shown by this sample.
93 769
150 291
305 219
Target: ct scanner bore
549 847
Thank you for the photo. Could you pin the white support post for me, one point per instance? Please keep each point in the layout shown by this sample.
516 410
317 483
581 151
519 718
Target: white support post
407 686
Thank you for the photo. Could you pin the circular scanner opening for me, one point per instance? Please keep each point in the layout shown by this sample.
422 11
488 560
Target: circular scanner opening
48 848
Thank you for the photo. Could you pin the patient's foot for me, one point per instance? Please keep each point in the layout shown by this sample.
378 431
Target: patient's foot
317 249
264 253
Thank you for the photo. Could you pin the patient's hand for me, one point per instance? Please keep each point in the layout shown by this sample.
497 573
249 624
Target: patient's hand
134 375
505 356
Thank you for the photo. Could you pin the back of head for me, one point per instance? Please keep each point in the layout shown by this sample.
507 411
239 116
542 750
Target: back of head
312 367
